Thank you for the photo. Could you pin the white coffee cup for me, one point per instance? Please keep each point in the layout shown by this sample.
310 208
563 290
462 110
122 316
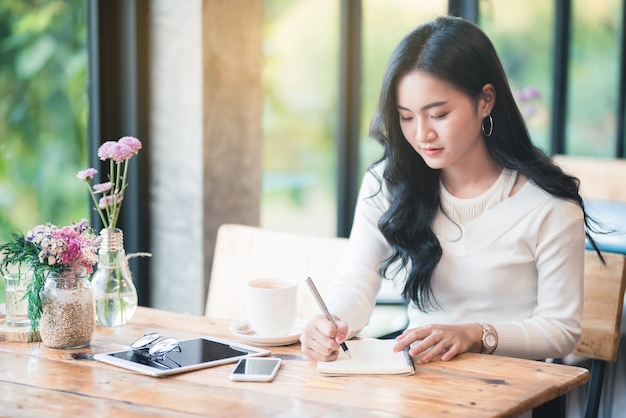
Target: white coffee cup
272 305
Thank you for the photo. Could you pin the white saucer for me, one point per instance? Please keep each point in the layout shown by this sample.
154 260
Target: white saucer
242 330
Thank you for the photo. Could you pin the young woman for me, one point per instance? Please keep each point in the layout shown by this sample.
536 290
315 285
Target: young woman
484 232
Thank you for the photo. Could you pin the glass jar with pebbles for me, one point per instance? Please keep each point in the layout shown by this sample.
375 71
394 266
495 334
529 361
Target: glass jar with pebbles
68 313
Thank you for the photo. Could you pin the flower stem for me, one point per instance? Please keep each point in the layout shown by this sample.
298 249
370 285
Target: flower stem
95 201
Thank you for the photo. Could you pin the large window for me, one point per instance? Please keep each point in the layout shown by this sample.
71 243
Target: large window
301 42
593 78
43 113
384 25
301 73
523 35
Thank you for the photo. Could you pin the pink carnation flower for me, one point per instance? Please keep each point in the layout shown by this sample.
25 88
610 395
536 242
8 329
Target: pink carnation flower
104 152
108 201
131 142
102 187
120 152
87 174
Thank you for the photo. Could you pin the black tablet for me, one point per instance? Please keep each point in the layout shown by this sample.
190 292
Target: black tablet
194 353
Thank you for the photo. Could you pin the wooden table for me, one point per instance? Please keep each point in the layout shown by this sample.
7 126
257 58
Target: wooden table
38 381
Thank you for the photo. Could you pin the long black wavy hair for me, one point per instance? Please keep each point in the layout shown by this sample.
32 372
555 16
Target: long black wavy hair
456 51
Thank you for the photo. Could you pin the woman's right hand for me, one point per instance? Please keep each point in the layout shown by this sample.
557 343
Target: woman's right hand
320 340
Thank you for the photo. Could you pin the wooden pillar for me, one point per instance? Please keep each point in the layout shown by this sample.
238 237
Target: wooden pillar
232 116
205 124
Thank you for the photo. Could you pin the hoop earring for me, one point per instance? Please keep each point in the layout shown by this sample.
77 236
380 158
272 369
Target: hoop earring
488 132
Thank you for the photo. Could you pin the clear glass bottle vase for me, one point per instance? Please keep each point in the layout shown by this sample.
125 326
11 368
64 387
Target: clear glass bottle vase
112 282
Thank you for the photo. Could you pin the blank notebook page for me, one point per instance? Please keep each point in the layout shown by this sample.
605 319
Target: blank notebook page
369 356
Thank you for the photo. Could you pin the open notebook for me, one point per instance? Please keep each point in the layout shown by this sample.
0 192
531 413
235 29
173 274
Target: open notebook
369 356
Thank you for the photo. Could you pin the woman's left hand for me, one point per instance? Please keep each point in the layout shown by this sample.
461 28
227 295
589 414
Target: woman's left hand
447 340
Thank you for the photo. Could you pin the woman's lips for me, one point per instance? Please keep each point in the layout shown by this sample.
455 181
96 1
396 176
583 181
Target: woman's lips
431 152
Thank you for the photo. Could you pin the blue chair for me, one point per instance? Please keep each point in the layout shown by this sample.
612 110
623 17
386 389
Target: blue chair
612 216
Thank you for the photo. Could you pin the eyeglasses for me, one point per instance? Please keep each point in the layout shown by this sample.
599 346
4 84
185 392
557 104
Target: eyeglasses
155 347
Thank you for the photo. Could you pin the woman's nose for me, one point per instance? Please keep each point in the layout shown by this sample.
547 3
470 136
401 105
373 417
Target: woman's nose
423 133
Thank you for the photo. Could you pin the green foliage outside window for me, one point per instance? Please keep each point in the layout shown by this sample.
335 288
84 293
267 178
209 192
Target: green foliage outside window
43 113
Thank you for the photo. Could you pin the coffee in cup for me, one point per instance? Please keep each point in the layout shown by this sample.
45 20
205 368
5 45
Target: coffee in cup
272 305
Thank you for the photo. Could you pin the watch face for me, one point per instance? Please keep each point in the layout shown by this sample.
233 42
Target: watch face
490 339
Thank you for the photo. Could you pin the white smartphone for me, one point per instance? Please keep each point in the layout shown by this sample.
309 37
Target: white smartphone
251 369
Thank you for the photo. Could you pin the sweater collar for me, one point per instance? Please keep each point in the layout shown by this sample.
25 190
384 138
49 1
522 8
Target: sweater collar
487 228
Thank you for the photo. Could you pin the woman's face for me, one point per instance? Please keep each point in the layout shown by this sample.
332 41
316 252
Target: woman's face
440 122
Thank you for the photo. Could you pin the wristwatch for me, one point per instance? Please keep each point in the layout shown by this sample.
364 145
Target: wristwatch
489 339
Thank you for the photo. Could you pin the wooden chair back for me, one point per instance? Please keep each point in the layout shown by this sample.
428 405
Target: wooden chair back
600 178
604 301
243 253
602 319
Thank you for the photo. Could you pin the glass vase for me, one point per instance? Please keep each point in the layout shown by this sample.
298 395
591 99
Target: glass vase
115 292
16 283
67 318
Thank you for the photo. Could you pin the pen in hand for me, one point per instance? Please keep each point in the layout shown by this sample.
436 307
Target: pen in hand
322 305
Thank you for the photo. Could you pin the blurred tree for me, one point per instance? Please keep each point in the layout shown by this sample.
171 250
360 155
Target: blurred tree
43 113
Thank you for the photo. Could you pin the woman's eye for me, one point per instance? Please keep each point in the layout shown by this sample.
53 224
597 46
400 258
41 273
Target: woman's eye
405 118
439 116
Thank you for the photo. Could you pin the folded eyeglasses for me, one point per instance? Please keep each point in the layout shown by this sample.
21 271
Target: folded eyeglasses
155 347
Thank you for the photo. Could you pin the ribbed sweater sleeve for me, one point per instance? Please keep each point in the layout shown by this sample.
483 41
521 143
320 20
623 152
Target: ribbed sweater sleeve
555 324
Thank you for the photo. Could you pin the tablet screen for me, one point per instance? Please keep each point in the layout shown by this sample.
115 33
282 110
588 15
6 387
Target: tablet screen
194 353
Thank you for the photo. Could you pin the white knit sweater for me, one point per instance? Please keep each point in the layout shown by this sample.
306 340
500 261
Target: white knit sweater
518 266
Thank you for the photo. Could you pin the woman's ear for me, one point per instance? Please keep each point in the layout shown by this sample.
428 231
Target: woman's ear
487 100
